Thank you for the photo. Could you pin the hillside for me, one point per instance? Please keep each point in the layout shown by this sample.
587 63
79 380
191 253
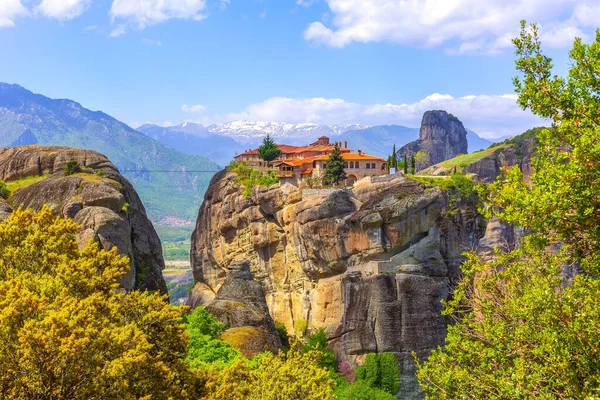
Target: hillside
170 184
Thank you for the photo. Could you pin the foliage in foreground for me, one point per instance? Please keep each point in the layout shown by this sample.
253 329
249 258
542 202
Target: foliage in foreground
4 191
525 328
292 376
66 332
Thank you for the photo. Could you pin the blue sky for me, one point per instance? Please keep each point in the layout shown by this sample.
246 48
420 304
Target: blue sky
324 61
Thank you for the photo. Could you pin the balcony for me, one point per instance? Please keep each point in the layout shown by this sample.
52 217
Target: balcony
285 174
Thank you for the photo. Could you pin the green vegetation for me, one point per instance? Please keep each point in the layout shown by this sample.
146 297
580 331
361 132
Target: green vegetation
125 207
283 335
412 164
72 167
60 308
175 241
249 177
335 170
377 379
268 150
20 183
422 159
176 250
318 341
460 187
205 348
4 191
522 329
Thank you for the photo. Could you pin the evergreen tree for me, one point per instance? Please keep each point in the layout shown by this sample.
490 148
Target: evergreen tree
335 168
405 165
268 150
394 157
380 371
412 164
389 164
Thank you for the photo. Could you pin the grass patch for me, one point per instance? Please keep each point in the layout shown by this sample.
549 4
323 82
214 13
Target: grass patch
250 177
458 186
463 160
21 183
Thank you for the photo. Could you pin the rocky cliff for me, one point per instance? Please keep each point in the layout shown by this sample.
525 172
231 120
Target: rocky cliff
98 198
370 265
442 135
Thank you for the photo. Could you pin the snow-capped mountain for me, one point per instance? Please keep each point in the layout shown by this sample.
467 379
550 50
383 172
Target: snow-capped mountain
251 131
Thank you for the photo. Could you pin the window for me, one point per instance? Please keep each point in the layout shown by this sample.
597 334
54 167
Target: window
324 165
373 165
346 165
352 165
368 166
356 165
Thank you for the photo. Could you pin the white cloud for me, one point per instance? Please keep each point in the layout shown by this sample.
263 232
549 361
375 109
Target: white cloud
62 9
491 116
9 11
151 42
119 30
151 12
462 26
198 108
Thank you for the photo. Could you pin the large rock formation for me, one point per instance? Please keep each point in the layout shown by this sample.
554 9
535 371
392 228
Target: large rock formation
241 306
442 135
370 265
98 198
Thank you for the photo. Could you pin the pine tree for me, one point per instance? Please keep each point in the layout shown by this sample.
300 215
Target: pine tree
405 165
335 169
389 164
412 164
268 150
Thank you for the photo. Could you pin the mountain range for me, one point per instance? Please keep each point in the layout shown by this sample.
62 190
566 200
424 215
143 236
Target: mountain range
170 183
222 142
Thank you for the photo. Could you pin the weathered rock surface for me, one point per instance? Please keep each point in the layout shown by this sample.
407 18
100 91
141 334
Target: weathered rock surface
370 265
240 303
442 135
99 198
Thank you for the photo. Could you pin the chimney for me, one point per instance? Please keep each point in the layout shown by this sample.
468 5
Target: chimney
345 144
360 152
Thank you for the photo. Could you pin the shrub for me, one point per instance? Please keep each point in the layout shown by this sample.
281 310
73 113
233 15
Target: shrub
318 341
283 335
301 326
205 348
101 173
71 168
380 371
4 192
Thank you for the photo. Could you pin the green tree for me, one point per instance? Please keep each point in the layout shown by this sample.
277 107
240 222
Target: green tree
205 349
412 164
422 159
66 332
380 371
523 330
405 165
389 163
394 157
268 150
71 167
335 170
318 341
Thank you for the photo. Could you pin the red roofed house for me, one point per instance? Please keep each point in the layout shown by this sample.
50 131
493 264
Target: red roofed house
297 162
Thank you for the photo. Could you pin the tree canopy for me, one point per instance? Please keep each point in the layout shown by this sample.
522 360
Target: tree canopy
422 159
66 332
528 324
268 150
335 168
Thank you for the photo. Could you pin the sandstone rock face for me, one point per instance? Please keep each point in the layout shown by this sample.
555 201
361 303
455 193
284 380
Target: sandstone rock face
442 135
241 306
370 265
104 203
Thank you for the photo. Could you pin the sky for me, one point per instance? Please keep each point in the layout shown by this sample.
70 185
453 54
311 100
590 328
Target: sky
370 62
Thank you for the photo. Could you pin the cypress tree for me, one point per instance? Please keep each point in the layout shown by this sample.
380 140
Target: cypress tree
394 157
268 150
405 165
412 164
335 168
